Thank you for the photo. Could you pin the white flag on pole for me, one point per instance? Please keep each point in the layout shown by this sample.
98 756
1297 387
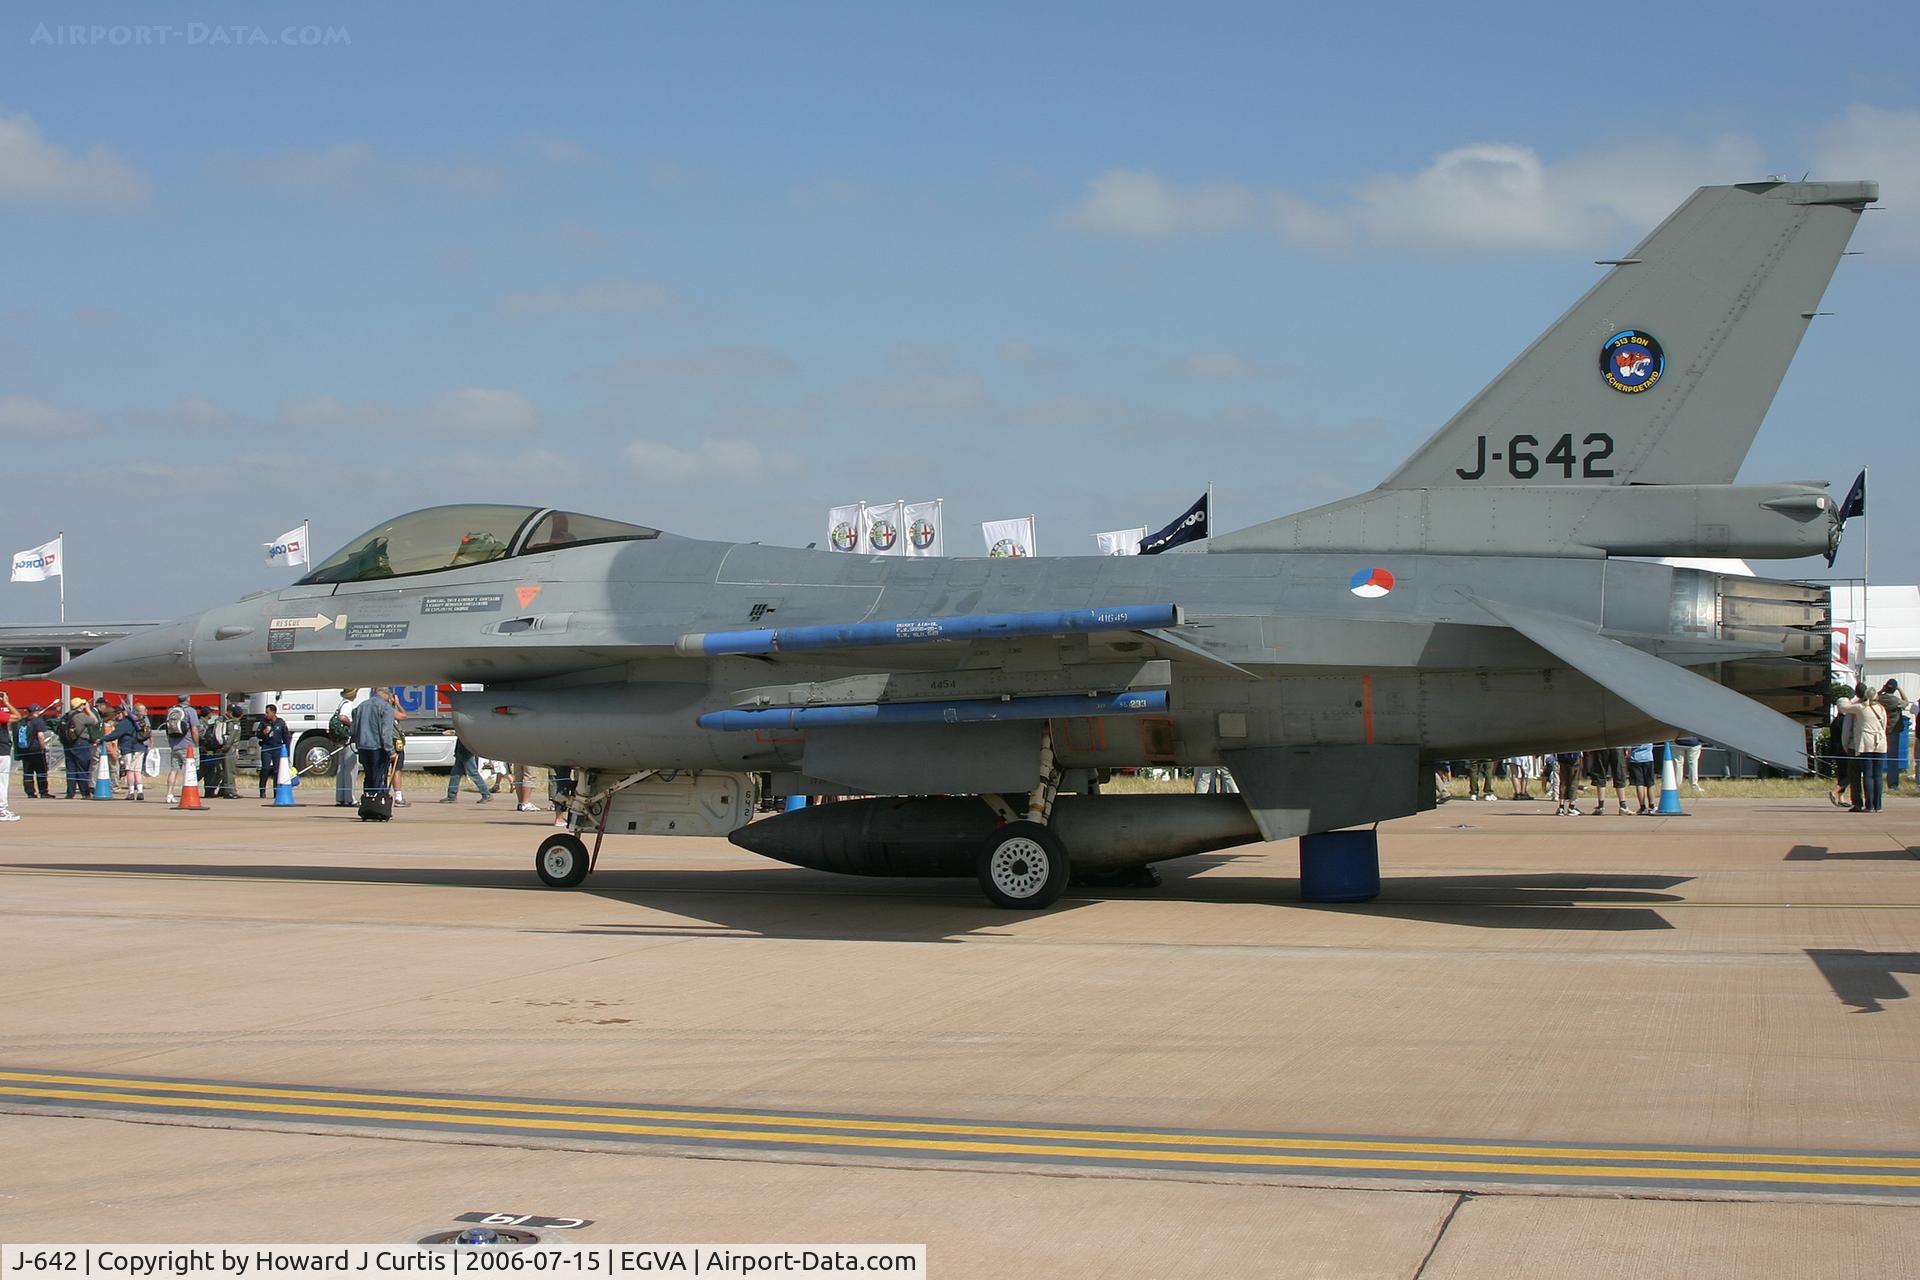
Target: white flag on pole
290 548
1008 538
925 535
846 527
885 523
37 564
1121 542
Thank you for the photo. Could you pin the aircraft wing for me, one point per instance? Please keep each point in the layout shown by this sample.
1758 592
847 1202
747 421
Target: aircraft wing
1669 694
964 669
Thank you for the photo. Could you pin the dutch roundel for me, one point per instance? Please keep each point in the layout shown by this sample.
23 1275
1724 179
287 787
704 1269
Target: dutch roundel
1370 584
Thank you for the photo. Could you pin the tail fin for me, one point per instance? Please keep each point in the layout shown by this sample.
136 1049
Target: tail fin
1662 373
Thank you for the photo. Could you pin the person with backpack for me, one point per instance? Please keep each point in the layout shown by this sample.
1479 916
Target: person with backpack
183 732
129 739
30 750
219 735
79 731
346 760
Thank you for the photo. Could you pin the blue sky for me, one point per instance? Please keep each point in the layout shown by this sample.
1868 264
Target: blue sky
718 267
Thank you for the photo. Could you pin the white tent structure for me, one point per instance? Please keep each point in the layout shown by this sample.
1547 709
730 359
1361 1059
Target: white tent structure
1892 635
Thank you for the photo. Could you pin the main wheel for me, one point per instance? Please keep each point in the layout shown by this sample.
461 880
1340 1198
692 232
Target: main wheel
314 755
562 861
1022 866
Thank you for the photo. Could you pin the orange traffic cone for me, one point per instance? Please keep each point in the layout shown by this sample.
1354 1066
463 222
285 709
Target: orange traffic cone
190 782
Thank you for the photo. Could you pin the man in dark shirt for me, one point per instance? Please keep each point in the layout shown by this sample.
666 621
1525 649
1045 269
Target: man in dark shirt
273 745
33 756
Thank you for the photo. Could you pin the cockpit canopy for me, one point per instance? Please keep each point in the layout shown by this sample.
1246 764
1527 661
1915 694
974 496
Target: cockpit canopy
457 536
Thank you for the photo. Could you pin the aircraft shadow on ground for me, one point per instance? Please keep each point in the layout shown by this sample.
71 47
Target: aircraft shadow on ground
1821 853
787 902
1863 979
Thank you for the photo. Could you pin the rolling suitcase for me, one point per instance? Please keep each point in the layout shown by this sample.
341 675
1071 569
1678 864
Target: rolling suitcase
376 806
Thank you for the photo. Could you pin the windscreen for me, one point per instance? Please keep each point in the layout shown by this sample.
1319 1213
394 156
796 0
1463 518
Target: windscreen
422 541
570 529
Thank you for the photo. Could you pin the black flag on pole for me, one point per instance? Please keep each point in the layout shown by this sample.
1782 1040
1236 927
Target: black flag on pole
1856 503
1190 527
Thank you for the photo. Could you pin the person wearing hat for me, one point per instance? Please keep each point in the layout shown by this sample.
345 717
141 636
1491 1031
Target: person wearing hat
30 749
129 739
82 735
346 759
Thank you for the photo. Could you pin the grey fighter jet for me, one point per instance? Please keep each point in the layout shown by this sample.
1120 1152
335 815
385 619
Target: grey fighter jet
1482 601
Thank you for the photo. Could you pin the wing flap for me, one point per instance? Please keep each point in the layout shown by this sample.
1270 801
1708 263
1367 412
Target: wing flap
1657 688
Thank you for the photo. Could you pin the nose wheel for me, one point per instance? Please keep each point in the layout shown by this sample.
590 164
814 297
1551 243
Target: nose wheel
562 861
1022 867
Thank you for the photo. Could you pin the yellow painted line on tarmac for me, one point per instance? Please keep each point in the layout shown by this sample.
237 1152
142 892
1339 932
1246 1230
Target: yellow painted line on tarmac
971 1138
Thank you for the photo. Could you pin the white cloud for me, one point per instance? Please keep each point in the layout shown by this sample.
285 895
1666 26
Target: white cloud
1024 355
481 411
666 464
355 168
1131 202
26 416
1485 195
599 298
192 413
35 171
719 366
552 149
1218 366
1882 146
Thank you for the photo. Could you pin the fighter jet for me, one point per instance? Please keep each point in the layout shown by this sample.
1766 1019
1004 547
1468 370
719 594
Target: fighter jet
1486 599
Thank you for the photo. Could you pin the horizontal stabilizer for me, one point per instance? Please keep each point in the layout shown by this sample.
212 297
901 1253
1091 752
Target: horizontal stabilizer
1666 693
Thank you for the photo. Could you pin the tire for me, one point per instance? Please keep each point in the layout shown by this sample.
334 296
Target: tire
561 862
1022 867
313 756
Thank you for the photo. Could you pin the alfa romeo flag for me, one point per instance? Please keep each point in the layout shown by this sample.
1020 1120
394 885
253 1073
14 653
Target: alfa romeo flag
846 527
1190 527
1121 542
37 564
886 529
1011 539
925 537
290 548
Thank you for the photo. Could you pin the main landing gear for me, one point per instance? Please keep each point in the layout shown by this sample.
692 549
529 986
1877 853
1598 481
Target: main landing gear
564 859
1023 866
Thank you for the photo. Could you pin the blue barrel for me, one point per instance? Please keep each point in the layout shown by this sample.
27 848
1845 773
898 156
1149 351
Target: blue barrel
1340 866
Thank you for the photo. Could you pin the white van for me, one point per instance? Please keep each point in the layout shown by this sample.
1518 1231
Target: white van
428 727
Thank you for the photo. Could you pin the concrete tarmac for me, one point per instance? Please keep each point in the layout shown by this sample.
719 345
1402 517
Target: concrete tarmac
1554 1047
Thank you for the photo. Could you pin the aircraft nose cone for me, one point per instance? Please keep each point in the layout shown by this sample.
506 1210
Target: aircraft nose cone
157 660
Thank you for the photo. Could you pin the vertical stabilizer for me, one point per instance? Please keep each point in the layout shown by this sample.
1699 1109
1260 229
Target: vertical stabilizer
1663 372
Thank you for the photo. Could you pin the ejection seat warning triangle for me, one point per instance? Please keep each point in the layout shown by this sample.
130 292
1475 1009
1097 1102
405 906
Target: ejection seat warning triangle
526 595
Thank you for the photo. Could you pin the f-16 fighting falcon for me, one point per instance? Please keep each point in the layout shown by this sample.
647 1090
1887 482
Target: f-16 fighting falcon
1481 602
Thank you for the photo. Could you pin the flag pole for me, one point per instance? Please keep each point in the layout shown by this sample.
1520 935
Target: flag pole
1866 571
66 691
1209 508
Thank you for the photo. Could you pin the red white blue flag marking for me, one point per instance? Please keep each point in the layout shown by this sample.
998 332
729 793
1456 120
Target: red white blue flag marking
1370 584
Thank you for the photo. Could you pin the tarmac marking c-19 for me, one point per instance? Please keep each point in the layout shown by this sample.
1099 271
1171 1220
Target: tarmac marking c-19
1323 1155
